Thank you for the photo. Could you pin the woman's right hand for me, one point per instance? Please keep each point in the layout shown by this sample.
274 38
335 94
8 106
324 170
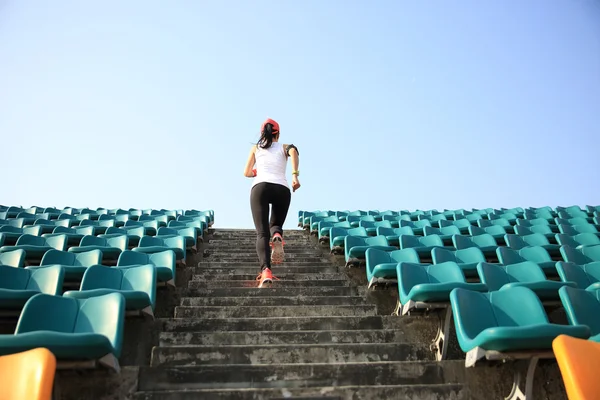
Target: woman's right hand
295 183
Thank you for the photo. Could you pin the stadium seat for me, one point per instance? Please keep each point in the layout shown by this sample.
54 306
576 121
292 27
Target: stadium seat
356 219
517 242
17 285
485 223
496 231
428 287
338 236
157 244
28 375
573 230
15 258
381 265
509 324
541 229
466 259
371 227
583 255
99 226
110 247
355 247
444 233
164 262
486 243
393 234
417 226
73 264
198 225
74 330
536 254
137 284
586 276
422 244
524 274
579 363
150 227
190 235
325 228
582 308
36 246
577 241
74 235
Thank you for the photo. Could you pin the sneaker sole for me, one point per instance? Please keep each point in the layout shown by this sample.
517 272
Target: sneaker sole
265 283
278 255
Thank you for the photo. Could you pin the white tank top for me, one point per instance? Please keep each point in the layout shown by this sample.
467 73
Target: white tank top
271 164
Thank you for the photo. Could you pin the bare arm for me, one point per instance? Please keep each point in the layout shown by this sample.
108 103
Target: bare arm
295 159
250 163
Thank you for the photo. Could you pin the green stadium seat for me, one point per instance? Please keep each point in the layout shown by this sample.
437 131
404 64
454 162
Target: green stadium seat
582 308
485 242
17 285
381 265
198 225
110 247
371 227
10 234
417 226
73 330
577 241
505 325
100 226
190 235
156 244
422 244
36 246
314 221
338 235
496 231
15 258
573 230
517 242
74 235
571 212
485 223
133 234
164 262
355 247
73 264
573 221
541 229
583 255
325 228
356 219
393 234
137 284
525 274
537 254
395 219
466 259
586 276
462 225
444 233
422 286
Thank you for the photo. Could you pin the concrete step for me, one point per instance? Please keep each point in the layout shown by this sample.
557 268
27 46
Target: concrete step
252 257
449 391
236 283
273 301
288 324
275 290
273 311
300 375
280 337
286 353
281 276
252 250
290 266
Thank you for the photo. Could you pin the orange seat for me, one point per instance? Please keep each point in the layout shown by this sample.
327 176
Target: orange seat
579 363
27 375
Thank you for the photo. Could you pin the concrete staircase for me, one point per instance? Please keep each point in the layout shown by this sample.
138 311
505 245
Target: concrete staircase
312 335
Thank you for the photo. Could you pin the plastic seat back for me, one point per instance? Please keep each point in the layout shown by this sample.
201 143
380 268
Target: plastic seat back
14 258
439 255
587 239
376 241
429 230
515 242
582 275
469 256
148 241
431 240
591 252
31 240
93 241
536 239
58 257
47 280
463 242
129 257
100 277
536 254
579 363
566 240
120 242
385 231
28 375
142 278
14 278
508 256
484 240
409 241
444 273
570 254
104 315
404 255
582 307
517 306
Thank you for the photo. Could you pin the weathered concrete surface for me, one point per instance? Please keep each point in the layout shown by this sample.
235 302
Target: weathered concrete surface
95 384
272 311
273 301
275 290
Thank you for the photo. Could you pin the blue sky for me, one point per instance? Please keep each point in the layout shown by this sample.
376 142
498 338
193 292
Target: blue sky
393 104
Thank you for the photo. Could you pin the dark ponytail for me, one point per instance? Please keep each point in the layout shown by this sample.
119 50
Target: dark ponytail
267 136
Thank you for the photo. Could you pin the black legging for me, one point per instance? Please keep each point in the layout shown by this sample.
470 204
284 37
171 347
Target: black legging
261 196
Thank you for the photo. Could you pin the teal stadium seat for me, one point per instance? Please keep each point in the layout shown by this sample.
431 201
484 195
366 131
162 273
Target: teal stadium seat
355 247
584 255
74 235
422 244
17 285
15 258
381 265
157 244
573 230
74 330
496 231
585 276
36 246
537 254
582 308
338 237
110 247
136 284
509 324
577 241
189 234
325 229
466 259
524 274
164 262
150 227
541 229
73 264
444 233
517 242
371 227
393 234
485 242
422 286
